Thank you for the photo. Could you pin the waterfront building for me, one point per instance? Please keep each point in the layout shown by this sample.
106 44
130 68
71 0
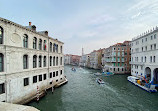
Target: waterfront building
144 55
28 59
84 60
67 59
116 58
95 59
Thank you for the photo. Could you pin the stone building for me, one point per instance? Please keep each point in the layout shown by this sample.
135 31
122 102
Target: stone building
116 58
95 59
144 55
84 60
67 59
28 59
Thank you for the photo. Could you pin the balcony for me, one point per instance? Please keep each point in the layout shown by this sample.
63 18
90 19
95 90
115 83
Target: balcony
137 63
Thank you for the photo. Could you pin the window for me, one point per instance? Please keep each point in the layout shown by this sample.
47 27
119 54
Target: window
34 43
114 69
61 49
150 58
151 37
154 46
122 69
61 61
45 76
54 46
25 41
146 48
56 73
2 88
34 79
50 47
146 39
57 48
26 81
142 49
40 44
154 59
53 74
145 58
44 45
34 61
40 77
142 59
54 61
50 61
1 62
50 75
142 40
40 61
44 61
151 47
155 36
25 61
57 80
118 69
61 72
1 35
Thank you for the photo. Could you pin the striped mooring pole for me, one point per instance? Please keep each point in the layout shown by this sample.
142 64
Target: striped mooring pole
37 94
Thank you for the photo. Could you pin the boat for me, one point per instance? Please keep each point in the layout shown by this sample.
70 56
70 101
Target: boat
142 83
100 81
97 74
107 73
73 69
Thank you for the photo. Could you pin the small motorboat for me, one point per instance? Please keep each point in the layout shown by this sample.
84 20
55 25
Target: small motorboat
100 81
73 69
97 74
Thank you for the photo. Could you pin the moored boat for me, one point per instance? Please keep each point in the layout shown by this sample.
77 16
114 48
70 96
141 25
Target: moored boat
97 74
138 82
107 73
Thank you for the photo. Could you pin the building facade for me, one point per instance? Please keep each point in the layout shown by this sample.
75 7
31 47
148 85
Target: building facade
28 59
116 58
84 60
144 56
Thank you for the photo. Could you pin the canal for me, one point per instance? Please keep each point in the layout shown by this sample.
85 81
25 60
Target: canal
82 93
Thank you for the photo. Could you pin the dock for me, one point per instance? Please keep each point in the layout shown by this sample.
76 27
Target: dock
15 107
61 83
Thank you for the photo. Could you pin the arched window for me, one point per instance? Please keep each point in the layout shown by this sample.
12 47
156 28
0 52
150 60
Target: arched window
34 43
40 44
40 61
54 46
1 35
34 61
61 49
25 62
50 47
25 41
44 61
50 60
54 61
1 62
44 45
57 48
61 61
154 59
145 59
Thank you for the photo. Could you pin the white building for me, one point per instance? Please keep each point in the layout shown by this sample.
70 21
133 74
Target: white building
67 59
84 60
144 56
27 59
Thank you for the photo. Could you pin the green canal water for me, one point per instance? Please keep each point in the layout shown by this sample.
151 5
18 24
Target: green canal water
83 93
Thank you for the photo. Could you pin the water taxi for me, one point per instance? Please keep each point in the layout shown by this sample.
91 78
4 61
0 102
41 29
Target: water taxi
142 83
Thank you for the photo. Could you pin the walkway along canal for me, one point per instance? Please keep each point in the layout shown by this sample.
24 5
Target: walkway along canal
82 93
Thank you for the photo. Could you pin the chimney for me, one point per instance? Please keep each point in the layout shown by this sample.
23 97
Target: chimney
29 23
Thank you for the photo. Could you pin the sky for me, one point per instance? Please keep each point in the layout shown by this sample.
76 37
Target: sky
88 24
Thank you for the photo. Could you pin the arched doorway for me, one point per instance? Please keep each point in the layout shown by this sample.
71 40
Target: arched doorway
156 76
148 74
